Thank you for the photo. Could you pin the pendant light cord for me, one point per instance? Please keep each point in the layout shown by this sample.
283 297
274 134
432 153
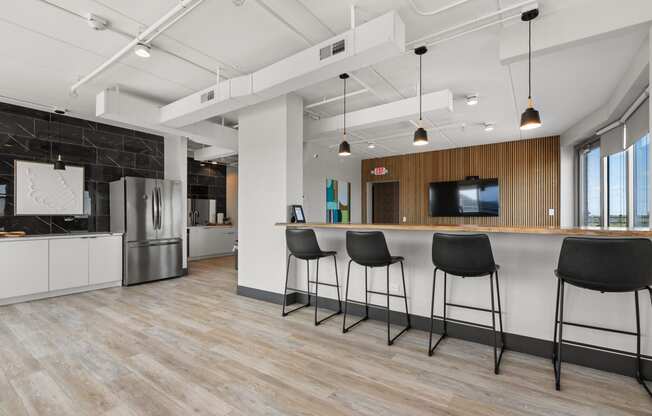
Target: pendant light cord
529 61
344 108
420 87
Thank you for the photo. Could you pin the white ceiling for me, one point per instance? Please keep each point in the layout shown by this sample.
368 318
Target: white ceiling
52 47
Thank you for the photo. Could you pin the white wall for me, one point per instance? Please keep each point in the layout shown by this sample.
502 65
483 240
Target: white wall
270 178
328 164
175 156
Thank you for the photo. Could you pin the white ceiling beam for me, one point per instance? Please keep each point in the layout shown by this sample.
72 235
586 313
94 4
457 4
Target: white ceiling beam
439 102
570 26
121 106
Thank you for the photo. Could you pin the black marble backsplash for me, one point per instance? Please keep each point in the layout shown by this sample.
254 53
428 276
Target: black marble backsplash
207 181
107 153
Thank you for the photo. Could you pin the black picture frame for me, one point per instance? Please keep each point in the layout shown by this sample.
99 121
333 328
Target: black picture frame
297 214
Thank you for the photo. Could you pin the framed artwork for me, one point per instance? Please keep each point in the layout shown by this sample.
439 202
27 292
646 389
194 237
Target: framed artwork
338 197
41 190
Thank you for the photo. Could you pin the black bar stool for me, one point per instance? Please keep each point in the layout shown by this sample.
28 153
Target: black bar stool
604 265
466 256
369 249
302 244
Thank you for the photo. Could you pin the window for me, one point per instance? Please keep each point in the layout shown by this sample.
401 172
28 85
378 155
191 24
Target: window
641 182
591 187
617 189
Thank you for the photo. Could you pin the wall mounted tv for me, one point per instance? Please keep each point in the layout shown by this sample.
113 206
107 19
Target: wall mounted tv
467 198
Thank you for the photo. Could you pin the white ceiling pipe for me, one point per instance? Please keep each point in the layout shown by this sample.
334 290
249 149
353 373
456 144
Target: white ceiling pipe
333 99
475 29
435 12
473 21
183 5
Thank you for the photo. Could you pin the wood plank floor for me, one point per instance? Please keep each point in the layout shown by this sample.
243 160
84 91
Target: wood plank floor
191 346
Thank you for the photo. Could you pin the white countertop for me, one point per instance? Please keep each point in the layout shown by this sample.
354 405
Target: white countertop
58 236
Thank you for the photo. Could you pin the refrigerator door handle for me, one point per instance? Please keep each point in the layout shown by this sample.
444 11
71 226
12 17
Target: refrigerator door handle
154 207
160 207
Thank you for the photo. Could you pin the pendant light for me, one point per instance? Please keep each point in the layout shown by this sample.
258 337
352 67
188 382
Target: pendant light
420 135
345 148
530 118
58 164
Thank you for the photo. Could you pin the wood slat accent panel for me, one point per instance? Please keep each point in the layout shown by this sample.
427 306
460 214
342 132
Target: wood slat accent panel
527 172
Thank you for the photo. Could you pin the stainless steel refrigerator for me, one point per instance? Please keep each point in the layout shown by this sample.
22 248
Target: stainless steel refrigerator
148 212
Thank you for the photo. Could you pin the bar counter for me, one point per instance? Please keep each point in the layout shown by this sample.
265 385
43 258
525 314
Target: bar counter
448 228
527 257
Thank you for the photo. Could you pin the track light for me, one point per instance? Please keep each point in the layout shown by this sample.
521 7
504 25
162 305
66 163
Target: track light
345 148
420 135
143 50
530 118
472 99
58 164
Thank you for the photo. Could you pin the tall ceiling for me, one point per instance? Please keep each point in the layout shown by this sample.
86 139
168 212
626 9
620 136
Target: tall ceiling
51 46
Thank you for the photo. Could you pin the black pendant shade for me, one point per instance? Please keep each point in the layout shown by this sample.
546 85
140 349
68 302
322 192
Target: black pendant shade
420 135
530 118
58 164
345 147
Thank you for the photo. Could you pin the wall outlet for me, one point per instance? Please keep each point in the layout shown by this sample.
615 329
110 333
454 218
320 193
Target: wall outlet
404 219
551 212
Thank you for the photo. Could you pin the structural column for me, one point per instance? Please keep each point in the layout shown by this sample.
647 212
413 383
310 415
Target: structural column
270 178
176 168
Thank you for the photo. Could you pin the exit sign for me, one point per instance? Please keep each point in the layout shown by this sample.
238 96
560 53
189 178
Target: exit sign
379 171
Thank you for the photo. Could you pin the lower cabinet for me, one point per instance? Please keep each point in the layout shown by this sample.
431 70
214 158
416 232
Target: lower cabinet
211 241
68 263
36 268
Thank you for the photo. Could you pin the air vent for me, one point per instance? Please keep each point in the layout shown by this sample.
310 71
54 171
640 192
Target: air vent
333 49
338 47
207 96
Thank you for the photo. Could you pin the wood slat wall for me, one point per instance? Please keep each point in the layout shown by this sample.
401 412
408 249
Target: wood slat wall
527 172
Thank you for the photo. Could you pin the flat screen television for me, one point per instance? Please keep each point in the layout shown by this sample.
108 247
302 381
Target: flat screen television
467 198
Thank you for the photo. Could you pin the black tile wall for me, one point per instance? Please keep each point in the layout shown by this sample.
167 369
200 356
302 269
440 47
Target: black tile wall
107 153
207 181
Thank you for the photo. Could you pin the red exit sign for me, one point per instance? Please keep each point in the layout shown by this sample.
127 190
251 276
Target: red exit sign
379 171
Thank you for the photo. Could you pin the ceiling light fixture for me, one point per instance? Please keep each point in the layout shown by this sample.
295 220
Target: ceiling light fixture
142 50
345 147
58 164
371 145
530 118
488 126
472 99
420 135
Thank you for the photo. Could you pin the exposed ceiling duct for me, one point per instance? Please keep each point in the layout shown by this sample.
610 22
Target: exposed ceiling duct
375 41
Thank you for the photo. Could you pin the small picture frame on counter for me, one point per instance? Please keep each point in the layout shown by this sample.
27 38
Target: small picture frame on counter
297 214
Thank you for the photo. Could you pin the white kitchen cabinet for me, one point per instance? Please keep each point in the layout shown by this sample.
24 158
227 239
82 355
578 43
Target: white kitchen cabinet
68 263
104 259
24 268
211 241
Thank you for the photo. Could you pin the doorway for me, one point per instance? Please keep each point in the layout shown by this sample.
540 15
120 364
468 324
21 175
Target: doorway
385 203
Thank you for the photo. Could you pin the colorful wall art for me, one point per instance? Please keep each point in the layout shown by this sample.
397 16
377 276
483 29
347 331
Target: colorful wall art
338 197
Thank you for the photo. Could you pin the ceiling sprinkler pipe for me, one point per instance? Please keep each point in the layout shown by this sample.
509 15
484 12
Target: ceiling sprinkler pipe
435 12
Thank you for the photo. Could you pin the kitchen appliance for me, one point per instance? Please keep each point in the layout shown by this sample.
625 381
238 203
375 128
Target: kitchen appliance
148 212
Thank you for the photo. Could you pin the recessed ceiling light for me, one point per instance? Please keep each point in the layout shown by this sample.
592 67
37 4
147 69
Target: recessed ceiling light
143 50
371 145
213 163
489 126
472 99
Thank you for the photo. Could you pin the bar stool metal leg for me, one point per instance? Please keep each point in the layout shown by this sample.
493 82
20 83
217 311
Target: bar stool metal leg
493 326
431 348
287 275
337 283
500 318
319 321
345 329
639 363
407 312
554 339
391 340
561 336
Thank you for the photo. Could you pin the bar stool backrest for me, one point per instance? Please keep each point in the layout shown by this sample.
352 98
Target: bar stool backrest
302 243
367 248
606 264
463 255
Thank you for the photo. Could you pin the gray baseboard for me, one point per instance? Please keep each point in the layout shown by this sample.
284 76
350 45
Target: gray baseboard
588 357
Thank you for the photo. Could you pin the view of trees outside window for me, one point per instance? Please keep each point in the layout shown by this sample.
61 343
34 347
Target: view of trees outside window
617 189
641 172
592 188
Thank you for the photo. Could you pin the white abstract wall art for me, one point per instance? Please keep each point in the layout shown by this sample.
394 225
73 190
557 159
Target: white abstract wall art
41 190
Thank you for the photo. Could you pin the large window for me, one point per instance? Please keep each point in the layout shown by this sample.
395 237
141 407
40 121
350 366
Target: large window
591 187
641 182
617 189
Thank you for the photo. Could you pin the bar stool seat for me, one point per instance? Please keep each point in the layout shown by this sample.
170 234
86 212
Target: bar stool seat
467 255
369 249
302 244
616 265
